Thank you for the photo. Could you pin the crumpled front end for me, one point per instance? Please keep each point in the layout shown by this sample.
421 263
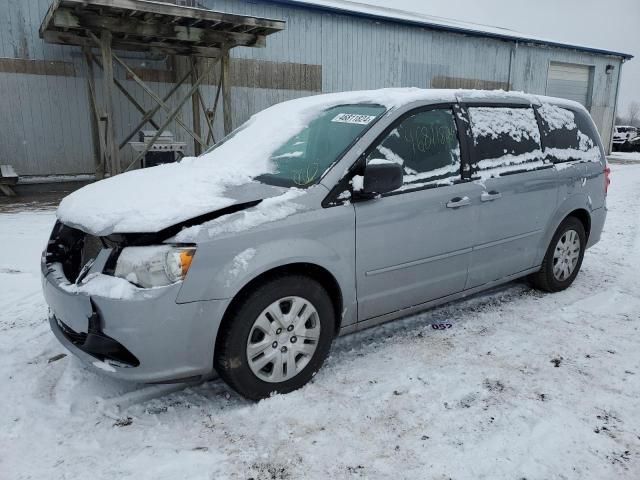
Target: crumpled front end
136 334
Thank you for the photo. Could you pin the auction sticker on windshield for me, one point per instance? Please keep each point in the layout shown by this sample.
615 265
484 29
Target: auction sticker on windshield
353 118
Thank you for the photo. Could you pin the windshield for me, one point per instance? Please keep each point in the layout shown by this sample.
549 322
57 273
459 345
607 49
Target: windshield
291 144
302 160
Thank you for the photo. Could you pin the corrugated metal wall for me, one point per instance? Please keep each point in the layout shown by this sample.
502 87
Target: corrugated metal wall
44 115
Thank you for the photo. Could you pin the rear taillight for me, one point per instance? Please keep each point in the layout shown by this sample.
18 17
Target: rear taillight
607 178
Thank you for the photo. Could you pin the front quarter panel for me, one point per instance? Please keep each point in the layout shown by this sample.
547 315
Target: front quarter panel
224 264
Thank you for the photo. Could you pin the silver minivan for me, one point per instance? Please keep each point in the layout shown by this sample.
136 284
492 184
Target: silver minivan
319 217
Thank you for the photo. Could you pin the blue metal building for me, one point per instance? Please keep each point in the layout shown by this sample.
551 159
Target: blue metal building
327 46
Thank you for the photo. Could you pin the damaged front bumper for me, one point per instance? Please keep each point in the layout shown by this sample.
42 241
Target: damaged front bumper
147 337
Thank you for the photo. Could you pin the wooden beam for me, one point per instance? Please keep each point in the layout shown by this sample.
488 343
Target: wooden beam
65 18
96 138
46 21
215 104
107 62
165 9
78 38
195 107
37 67
226 94
206 117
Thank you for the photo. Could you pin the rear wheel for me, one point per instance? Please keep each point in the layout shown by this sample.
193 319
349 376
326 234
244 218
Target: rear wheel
564 256
277 339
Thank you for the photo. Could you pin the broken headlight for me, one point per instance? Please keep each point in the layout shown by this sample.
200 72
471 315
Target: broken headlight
154 266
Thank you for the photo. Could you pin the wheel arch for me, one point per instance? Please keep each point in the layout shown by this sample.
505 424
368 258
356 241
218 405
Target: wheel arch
585 218
311 270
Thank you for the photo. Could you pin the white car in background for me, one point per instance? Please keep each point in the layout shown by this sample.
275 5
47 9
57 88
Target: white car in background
623 135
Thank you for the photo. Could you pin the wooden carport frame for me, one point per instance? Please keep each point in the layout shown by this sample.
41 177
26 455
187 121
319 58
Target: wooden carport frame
153 27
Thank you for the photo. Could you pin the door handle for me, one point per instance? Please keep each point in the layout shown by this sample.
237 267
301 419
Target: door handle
490 196
458 202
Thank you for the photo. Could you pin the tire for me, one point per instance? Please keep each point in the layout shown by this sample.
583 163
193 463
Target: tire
553 277
251 336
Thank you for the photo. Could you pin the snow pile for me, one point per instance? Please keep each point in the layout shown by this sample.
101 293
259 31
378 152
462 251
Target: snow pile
98 284
269 210
565 154
240 264
440 176
102 285
104 366
357 182
383 161
518 123
151 199
526 161
388 154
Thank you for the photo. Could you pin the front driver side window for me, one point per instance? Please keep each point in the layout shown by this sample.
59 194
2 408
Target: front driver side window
426 145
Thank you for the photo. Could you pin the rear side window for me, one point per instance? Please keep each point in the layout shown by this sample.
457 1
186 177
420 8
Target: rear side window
505 140
568 135
426 145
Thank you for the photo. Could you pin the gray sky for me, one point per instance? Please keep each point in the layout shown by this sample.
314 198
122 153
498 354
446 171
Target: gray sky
608 24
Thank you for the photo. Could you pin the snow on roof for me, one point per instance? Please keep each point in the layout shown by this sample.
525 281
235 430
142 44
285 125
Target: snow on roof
347 7
152 199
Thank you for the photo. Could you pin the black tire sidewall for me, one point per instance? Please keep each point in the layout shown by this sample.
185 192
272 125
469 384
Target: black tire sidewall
570 223
231 355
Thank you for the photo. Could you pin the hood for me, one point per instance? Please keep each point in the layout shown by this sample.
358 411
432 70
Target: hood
154 199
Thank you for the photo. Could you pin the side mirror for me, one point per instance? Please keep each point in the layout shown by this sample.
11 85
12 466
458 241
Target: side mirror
382 176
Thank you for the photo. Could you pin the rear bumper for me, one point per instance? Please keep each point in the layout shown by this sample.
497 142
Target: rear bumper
148 338
598 217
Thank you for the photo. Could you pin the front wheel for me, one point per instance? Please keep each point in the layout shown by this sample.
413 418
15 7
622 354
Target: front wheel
277 339
564 256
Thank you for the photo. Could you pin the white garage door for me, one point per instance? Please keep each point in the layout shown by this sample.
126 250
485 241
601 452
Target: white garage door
567 80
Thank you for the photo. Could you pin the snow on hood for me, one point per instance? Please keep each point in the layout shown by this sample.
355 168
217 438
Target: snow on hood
151 199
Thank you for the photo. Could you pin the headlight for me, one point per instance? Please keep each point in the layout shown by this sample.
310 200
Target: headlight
154 266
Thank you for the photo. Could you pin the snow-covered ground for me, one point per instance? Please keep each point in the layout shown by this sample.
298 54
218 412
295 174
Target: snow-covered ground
523 385
625 156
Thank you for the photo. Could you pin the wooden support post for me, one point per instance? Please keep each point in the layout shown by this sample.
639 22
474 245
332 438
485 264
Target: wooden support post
226 92
195 107
203 105
215 104
96 137
206 117
110 139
